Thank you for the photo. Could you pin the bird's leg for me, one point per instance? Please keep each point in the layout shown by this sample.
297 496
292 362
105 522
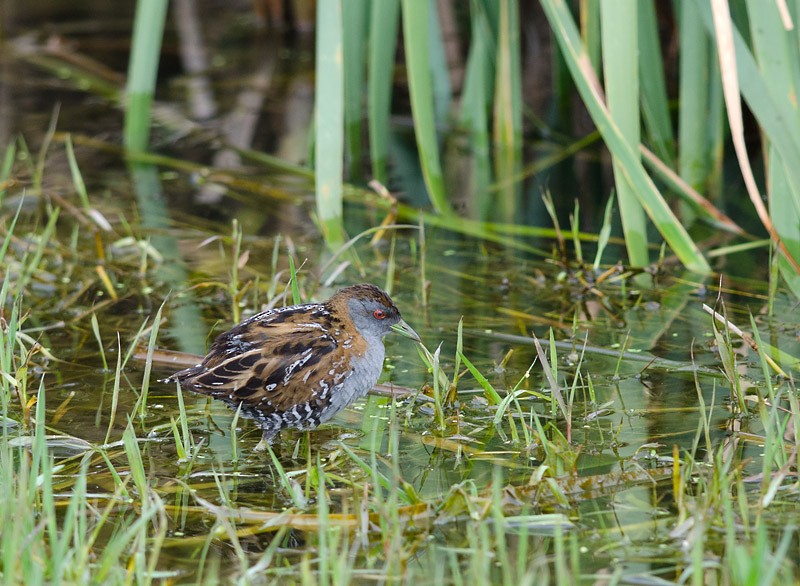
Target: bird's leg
267 437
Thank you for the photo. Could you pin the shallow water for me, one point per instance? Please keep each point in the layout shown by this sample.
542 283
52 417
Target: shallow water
633 361
636 415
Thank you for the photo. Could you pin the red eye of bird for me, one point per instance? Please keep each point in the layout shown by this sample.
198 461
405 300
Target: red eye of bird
379 314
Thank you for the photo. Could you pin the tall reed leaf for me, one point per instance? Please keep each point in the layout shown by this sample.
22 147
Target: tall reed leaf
508 114
355 21
6 167
415 32
476 99
779 60
590 31
621 71
655 107
508 108
694 78
329 121
382 44
148 28
437 62
651 200
777 115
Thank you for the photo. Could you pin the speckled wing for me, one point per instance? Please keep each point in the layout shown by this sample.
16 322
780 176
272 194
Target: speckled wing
272 362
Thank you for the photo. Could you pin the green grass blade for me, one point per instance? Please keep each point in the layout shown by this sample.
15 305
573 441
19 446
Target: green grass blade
694 78
296 299
779 62
382 45
77 177
440 74
489 392
8 164
329 122
148 28
590 31
39 252
777 116
355 21
785 217
415 33
137 472
671 229
476 99
508 108
621 71
776 51
115 392
605 233
96 332
654 101
6 242
148 363
717 132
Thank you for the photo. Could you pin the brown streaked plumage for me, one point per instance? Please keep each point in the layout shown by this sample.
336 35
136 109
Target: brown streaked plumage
297 366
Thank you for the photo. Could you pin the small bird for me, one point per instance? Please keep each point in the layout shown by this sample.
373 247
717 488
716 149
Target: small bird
297 366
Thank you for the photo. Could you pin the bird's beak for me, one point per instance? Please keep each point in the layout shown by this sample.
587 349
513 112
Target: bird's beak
406 330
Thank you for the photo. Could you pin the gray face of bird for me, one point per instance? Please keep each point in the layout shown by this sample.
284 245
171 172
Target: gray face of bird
372 317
